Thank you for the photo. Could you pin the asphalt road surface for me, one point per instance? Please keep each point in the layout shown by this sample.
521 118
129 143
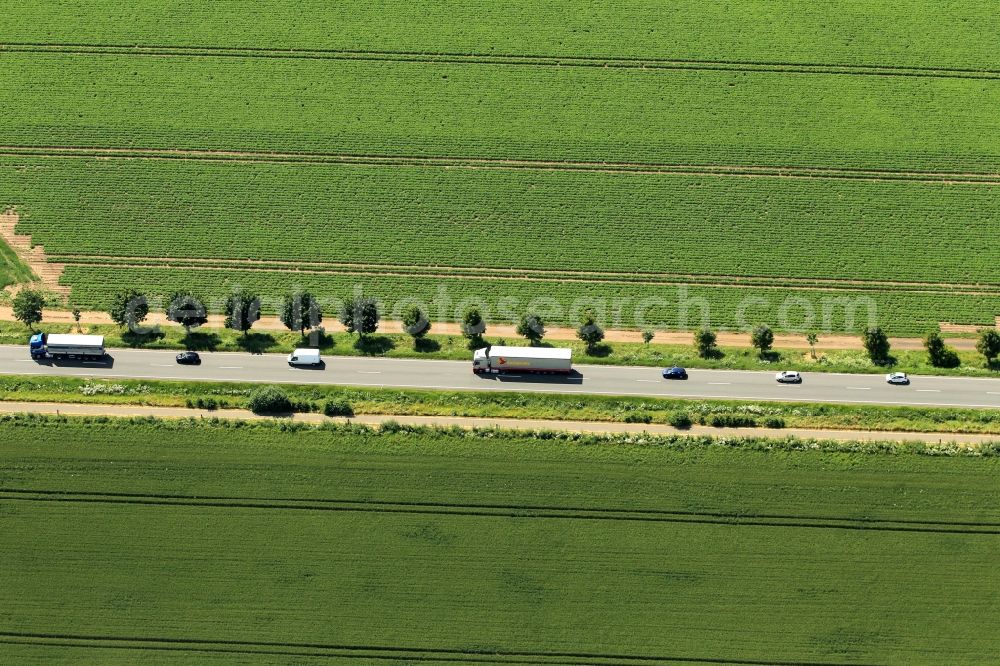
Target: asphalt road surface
591 379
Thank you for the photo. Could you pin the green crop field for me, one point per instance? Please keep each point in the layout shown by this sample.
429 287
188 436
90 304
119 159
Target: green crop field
12 269
155 541
842 152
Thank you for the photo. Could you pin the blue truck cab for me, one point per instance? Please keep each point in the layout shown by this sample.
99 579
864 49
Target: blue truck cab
37 345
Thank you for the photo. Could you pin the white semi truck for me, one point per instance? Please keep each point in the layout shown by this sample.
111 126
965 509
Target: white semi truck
522 359
55 345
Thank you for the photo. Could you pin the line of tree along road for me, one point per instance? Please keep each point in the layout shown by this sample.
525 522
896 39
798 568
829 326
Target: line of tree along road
302 311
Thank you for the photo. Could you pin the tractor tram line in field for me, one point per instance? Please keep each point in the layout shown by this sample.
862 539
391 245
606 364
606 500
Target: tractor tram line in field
468 162
527 60
543 512
490 657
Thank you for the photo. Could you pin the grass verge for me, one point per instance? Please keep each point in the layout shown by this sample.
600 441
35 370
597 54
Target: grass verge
369 400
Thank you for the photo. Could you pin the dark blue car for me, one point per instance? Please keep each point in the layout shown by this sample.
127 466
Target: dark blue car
675 373
188 358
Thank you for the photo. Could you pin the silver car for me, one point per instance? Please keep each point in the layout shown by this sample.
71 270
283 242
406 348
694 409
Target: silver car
788 377
897 378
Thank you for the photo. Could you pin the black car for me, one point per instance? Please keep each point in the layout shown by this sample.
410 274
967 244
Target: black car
675 373
189 358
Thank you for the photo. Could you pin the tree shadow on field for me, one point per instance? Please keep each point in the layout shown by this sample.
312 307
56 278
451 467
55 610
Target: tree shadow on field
713 354
950 359
256 343
374 345
134 339
887 362
602 350
196 341
425 346
318 339
770 356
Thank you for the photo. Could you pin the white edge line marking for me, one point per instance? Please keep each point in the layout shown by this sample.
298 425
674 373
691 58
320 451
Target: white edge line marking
928 390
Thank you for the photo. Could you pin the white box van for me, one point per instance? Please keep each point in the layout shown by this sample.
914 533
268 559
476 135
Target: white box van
304 357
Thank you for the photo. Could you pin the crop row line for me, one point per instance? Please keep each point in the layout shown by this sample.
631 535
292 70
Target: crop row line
746 171
520 273
409 654
136 263
502 59
505 511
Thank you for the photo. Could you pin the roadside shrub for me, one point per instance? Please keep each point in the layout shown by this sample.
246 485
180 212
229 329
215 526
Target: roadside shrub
637 417
304 406
774 422
731 421
338 407
680 420
206 403
390 426
269 400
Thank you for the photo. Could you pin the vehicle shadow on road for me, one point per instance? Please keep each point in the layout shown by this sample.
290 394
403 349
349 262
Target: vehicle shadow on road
573 377
319 366
107 363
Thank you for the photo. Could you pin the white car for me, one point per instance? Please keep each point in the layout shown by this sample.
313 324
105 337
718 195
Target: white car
788 377
897 378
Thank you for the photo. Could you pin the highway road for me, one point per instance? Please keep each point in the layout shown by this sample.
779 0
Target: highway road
590 379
